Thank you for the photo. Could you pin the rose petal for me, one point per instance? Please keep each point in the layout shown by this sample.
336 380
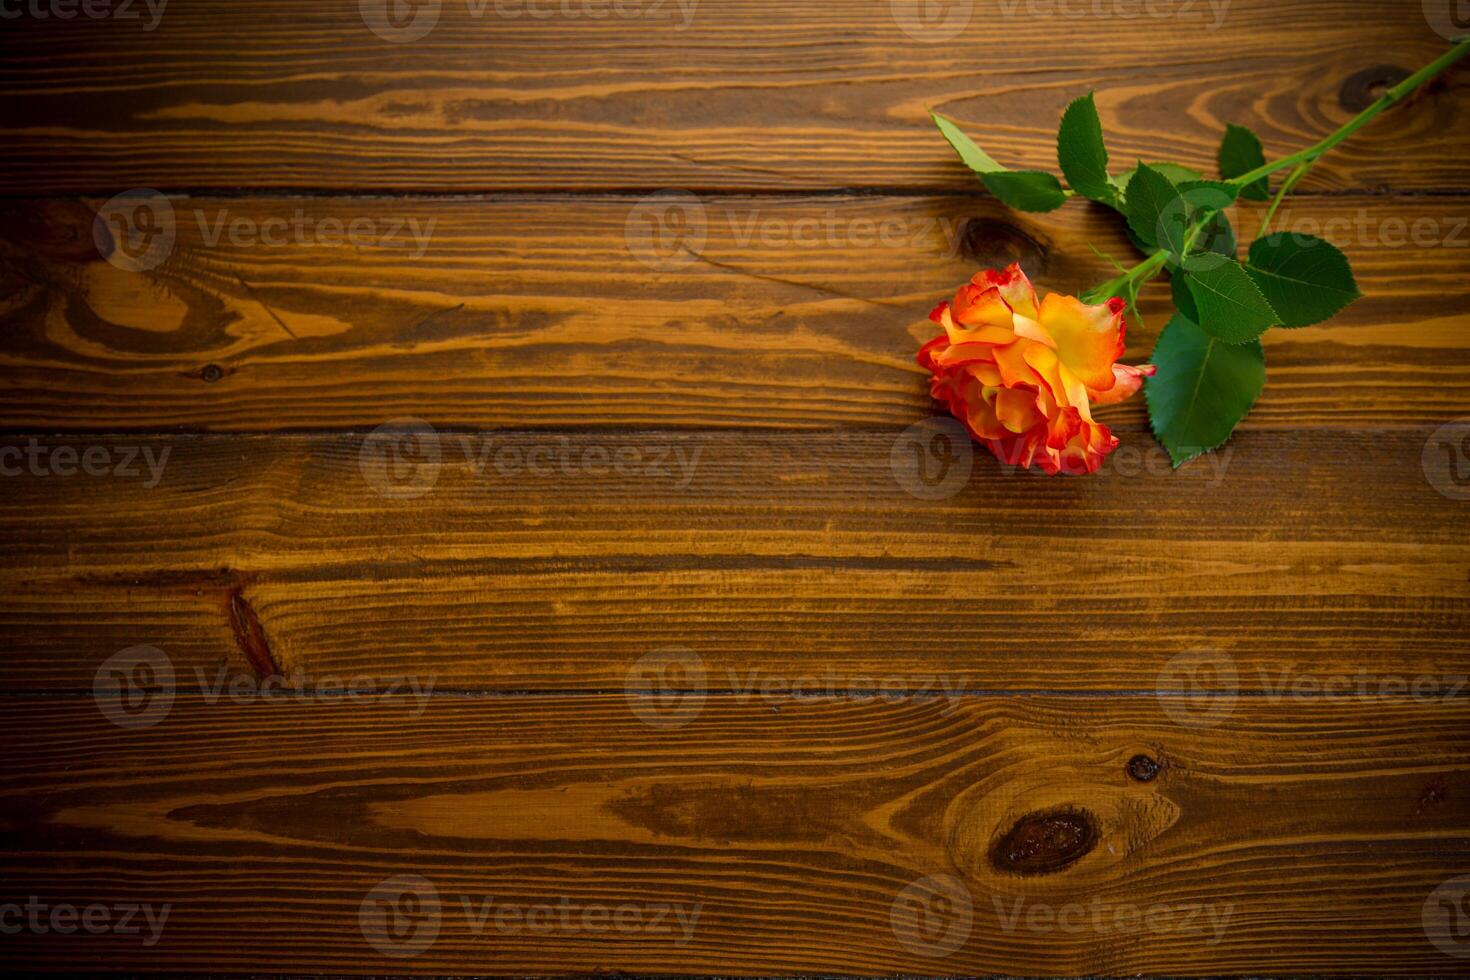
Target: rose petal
1014 288
976 308
1032 330
1126 382
1088 338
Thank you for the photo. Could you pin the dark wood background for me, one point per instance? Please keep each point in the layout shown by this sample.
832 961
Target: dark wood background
1023 626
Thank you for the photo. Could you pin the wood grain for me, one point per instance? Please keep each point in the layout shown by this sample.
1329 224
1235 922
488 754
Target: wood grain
1306 841
742 94
656 613
794 313
531 561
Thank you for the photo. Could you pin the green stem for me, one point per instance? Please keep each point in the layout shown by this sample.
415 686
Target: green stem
1143 270
1302 160
1286 187
1393 95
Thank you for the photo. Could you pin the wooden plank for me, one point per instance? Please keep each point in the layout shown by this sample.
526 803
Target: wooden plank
557 561
740 94
1308 841
794 313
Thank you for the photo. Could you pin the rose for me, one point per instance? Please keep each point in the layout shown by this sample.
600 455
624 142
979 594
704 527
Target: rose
1210 363
1023 377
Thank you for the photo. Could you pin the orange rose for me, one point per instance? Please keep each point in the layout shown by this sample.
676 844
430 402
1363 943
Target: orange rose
1023 377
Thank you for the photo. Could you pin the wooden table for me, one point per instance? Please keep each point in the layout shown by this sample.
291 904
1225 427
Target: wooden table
645 648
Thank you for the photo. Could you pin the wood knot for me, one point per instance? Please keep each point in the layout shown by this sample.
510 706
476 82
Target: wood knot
1045 842
211 373
57 230
995 244
1143 768
1363 88
1433 795
250 635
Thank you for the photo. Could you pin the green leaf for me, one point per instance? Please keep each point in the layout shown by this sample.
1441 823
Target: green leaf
1173 172
1240 153
1183 301
1217 237
1081 153
1133 239
1202 202
1177 174
1203 388
1172 210
1306 279
1026 190
975 158
1150 195
1230 304
1207 195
